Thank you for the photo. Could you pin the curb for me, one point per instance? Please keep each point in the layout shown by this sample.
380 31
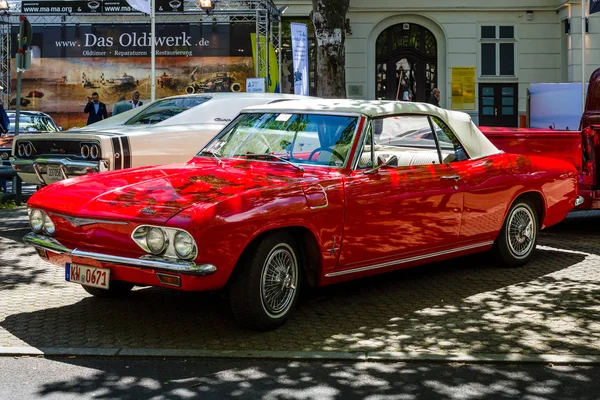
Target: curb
304 356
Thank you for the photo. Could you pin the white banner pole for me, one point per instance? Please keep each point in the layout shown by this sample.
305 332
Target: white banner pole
153 50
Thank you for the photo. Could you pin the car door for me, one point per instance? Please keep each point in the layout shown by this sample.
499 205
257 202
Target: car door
400 211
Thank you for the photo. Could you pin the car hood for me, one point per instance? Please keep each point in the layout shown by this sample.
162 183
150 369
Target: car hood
154 195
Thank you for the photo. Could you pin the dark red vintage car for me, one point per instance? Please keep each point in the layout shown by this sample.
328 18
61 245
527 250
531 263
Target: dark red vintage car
314 192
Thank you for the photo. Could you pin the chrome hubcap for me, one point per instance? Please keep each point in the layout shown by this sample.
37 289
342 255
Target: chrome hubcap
279 280
521 231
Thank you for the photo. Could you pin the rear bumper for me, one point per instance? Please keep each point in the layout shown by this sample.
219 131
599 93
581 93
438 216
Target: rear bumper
35 171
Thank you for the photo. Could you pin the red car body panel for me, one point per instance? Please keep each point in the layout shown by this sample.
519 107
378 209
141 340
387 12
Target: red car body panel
361 223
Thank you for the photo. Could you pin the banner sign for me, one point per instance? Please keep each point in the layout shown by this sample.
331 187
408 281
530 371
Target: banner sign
95 7
72 41
594 6
70 62
300 57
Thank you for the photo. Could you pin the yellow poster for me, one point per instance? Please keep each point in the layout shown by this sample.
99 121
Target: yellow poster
273 78
463 88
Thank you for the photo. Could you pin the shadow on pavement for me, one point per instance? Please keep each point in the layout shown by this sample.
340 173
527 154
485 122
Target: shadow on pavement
461 306
206 379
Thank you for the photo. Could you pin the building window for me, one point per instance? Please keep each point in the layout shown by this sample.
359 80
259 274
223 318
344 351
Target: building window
498 47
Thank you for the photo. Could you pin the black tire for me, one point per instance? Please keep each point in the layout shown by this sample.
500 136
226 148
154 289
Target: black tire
190 90
248 296
236 87
514 247
115 289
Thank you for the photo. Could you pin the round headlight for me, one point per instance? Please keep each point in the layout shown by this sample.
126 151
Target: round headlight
4 155
36 220
21 150
156 240
49 227
184 244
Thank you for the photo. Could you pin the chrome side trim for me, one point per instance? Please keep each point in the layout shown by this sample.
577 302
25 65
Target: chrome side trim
579 201
407 260
86 221
159 263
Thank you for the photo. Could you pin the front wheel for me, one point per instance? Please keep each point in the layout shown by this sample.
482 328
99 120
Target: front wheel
515 244
263 293
115 289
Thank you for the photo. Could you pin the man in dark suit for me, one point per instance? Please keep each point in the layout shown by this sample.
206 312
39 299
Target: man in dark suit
96 109
435 97
135 99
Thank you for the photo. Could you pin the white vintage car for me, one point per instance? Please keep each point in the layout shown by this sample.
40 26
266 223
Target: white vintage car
169 130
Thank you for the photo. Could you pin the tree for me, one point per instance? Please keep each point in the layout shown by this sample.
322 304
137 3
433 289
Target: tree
329 21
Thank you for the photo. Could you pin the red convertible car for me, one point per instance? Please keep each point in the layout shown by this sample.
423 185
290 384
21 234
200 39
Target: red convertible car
296 192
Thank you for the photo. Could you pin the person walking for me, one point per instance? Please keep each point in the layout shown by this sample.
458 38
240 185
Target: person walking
95 109
135 99
121 106
435 97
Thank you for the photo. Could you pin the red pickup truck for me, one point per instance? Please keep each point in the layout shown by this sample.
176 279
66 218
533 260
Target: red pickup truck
581 148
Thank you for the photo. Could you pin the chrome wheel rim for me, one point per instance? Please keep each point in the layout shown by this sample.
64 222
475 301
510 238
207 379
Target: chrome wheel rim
521 231
279 281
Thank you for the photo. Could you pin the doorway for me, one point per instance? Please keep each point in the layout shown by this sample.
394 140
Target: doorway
406 63
498 104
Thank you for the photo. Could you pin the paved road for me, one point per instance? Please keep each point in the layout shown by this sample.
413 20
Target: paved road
123 379
465 306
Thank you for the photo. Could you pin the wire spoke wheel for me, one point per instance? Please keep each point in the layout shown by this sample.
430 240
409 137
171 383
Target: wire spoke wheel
521 232
279 280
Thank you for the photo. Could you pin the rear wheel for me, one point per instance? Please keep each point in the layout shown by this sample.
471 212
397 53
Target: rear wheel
518 237
263 293
115 289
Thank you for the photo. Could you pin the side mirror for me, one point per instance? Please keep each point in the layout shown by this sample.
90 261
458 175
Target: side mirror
60 128
384 161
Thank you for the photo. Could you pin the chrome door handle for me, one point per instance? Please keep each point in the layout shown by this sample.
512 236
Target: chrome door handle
454 177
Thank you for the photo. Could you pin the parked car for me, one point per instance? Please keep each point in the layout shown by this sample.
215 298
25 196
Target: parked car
297 192
169 130
31 122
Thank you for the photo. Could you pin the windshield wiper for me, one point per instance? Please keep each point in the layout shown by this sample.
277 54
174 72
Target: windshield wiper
270 155
212 153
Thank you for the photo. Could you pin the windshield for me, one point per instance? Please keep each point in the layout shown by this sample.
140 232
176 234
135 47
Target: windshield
163 109
301 138
33 123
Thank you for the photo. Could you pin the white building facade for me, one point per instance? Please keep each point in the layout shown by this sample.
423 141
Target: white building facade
481 55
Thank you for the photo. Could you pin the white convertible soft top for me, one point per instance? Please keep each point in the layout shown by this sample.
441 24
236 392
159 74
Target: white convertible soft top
475 143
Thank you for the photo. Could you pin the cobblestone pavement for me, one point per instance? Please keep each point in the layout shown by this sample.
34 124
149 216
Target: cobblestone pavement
551 306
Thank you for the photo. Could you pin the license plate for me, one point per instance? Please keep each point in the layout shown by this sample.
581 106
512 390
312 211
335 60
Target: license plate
54 173
89 276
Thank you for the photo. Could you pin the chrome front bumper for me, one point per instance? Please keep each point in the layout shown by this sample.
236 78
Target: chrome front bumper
68 168
159 263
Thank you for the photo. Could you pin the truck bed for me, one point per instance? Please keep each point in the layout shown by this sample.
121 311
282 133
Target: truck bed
564 145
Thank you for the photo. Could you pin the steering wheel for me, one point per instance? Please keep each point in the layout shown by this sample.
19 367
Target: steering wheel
335 153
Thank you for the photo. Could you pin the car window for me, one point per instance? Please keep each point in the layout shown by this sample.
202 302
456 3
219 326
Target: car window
450 147
302 138
407 137
163 109
32 123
